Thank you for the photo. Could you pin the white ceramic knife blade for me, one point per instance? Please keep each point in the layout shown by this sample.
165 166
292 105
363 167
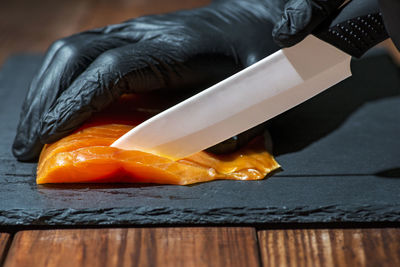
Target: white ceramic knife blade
256 94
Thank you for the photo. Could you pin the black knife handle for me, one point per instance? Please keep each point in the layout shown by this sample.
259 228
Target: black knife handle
355 28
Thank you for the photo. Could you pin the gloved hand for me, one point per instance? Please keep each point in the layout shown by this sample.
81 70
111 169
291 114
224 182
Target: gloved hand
85 72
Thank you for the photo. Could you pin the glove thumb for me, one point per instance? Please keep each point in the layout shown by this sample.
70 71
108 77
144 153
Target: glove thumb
300 17
290 29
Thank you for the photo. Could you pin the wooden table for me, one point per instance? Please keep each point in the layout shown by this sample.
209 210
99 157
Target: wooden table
202 246
31 26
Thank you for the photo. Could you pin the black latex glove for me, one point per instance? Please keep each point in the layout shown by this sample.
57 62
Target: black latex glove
84 73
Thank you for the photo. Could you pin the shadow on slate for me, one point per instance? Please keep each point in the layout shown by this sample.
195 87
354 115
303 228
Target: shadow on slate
340 154
311 121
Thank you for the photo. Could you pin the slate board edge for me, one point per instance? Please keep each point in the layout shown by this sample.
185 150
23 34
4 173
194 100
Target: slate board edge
227 215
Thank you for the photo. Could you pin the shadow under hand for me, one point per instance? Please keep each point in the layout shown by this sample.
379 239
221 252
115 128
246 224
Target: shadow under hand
374 77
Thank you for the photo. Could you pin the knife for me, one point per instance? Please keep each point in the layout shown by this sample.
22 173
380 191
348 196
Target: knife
264 90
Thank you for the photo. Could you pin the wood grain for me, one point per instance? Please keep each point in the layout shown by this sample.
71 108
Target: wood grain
27 26
335 247
33 25
4 238
220 246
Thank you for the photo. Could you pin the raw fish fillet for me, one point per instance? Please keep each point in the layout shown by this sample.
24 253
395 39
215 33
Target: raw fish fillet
85 156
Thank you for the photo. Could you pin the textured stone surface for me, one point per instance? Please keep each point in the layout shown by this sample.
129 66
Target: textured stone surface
340 154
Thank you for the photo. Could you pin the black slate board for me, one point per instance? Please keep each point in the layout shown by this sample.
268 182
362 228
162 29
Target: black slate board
340 154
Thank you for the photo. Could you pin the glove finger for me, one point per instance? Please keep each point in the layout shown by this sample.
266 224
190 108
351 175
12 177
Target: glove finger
64 61
50 62
300 18
142 67
292 27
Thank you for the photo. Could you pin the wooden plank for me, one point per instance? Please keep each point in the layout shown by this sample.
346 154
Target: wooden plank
335 247
203 246
4 239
